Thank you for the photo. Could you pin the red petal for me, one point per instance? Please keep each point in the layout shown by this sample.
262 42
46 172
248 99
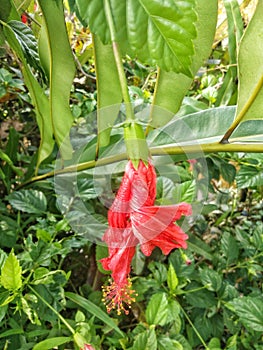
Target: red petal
172 237
88 347
149 222
143 190
119 262
121 244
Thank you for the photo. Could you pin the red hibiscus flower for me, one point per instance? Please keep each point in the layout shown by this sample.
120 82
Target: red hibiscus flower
134 219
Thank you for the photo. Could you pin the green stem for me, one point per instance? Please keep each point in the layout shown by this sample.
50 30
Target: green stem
243 111
149 128
54 310
194 328
193 150
118 60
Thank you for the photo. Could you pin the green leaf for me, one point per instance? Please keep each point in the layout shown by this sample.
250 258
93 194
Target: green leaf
29 201
172 87
249 311
250 74
235 28
101 252
165 343
27 41
145 340
8 11
214 344
93 309
51 343
172 279
250 130
38 97
199 298
205 126
155 32
11 273
11 332
157 310
200 247
249 176
229 247
109 91
185 192
211 279
61 72
165 187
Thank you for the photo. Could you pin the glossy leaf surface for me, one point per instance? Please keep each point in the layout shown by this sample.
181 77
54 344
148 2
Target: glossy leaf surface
171 86
155 32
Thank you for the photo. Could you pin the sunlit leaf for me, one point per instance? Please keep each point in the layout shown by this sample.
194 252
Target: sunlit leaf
11 273
157 309
250 69
145 340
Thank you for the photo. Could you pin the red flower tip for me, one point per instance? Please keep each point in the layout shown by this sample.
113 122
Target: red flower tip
24 18
88 347
118 296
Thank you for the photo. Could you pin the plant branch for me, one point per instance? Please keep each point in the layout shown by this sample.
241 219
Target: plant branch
194 328
54 310
119 64
190 150
243 111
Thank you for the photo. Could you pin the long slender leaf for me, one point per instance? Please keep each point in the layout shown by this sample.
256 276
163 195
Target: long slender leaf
93 309
61 72
171 86
228 90
109 91
250 75
51 343
37 94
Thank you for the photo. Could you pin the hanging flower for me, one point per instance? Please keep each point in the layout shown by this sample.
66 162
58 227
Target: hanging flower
134 219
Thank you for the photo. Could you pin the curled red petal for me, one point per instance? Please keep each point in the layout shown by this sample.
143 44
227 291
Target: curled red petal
173 237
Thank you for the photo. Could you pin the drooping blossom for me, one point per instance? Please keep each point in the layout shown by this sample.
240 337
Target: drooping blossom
134 219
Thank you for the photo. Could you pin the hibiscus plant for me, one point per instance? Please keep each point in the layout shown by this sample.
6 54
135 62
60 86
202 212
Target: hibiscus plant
138 141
